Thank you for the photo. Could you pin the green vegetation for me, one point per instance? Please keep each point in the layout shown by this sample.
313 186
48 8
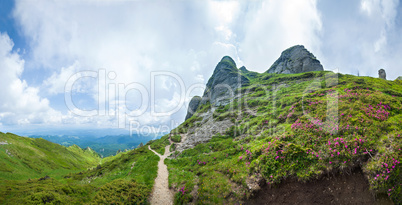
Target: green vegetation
176 138
125 178
38 191
122 192
160 144
23 158
297 126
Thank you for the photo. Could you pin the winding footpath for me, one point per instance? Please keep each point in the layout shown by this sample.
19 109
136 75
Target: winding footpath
161 195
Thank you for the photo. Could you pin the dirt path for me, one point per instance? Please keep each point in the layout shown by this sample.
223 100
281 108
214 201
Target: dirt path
161 193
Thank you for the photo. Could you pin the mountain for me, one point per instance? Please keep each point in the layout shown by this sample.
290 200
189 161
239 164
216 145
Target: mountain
303 135
296 59
24 158
106 146
225 79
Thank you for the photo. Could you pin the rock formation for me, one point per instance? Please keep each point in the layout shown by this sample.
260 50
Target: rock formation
295 59
192 106
381 74
244 69
399 78
223 83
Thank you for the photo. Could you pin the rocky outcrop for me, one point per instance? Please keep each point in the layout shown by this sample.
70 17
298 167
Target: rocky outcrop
223 83
244 69
193 106
382 74
296 59
399 78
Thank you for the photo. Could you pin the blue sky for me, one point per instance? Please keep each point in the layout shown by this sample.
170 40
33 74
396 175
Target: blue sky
162 53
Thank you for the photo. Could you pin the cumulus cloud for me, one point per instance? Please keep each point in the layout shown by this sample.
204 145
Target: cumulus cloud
20 103
56 83
273 26
361 37
124 42
131 39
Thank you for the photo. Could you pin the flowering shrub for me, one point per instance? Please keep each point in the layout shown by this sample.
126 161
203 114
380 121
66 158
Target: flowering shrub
182 197
183 190
384 171
301 135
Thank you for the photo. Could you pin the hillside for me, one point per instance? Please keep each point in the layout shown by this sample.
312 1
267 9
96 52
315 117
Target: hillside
280 129
293 134
24 158
105 146
60 175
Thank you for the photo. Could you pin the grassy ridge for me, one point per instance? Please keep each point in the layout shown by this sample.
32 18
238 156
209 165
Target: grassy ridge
24 158
128 178
297 126
76 177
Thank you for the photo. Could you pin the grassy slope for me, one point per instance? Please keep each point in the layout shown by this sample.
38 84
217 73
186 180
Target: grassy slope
283 132
25 158
273 140
159 144
128 177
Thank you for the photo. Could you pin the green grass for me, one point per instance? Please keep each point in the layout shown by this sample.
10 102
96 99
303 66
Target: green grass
24 158
122 192
281 130
176 138
159 144
44 191
128 176
290 136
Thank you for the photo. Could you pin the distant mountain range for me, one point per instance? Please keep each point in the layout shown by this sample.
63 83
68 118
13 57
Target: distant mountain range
105 146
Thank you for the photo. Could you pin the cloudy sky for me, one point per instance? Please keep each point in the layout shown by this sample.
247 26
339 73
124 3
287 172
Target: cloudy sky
88 64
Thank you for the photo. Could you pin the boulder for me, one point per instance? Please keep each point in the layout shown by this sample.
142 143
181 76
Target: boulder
223 83
296 59
193 106
382 74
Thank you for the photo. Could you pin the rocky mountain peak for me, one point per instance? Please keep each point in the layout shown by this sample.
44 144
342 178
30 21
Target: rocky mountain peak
296 59
244 69
223 83
226 64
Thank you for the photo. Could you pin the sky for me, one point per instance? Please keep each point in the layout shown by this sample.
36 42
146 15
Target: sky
134 65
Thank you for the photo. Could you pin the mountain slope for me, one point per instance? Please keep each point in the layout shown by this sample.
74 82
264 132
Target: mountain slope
254 138
291 127
24 158
125 178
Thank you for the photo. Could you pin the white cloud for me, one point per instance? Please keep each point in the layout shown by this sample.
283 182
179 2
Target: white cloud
56 83
381 42
386 9
188 38
20 103
361 37
272 26
131 39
